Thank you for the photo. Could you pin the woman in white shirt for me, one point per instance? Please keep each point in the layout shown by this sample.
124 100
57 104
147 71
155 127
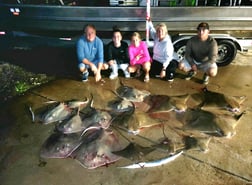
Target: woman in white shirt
164 58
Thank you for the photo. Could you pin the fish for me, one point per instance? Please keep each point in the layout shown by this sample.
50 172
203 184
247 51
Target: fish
77 123
163 106
164 103
134 152
77 103
101 117
120 105
59 145
228 121
70 125
155 163
140 120
199 143
208 100
84 118
133 121
200 120
131 94
165 145
53 113
98 153
56 111
121 119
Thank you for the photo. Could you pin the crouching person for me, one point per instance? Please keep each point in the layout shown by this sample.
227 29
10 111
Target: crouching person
201 54
118 55
165 60
139 57
90 53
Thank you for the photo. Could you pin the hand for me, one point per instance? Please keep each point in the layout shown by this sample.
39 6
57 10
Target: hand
97 76
138 57
93 68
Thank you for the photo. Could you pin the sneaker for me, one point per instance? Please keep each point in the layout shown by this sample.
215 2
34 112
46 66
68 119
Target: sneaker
190 75
146 79
85 76
127 74
113 76
170 78
205 79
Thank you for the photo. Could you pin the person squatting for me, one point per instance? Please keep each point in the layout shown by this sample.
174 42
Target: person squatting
201 54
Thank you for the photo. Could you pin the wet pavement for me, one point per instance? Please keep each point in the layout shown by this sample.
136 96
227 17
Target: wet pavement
228 160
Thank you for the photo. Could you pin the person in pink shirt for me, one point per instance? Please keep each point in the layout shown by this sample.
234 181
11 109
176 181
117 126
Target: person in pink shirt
139 57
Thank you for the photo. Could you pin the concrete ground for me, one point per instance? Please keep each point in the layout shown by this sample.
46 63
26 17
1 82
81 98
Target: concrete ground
228 160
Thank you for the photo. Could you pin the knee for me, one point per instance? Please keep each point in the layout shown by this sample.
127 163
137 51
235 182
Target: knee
82 67
212 72
105 66
181 66
130 69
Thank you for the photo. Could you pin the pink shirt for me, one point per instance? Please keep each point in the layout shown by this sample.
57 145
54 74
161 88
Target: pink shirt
141 50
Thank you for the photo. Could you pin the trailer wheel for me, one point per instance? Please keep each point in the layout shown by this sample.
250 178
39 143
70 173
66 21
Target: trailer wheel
180 49
226 52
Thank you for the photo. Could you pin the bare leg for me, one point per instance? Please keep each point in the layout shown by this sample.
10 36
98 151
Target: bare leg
146 68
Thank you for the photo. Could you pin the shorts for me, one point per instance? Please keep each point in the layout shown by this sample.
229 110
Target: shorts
203 67
81 65
121 65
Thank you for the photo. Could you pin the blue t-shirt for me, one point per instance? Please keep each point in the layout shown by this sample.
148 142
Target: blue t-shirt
92 51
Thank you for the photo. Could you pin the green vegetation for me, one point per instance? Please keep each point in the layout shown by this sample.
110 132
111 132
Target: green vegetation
15 81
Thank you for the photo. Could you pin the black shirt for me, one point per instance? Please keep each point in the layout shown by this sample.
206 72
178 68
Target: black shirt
119 54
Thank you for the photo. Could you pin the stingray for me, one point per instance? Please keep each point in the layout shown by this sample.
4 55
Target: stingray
161 106
131 94
211 100
121 119
135 120
85 118
165 146
74 124
200 120
140 120
55 111
134 152
198 143
98 152
59 145
120 105
71 124
164 103
99 119
227 122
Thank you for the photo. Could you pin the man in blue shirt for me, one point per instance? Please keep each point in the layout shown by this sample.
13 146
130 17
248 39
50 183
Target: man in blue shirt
90 53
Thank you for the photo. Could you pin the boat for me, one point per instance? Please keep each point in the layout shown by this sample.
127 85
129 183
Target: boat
67 18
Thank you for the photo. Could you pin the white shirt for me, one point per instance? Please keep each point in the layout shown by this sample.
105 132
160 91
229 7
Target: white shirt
163 51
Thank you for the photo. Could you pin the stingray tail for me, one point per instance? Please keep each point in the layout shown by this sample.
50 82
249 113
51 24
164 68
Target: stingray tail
153 163
32 114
